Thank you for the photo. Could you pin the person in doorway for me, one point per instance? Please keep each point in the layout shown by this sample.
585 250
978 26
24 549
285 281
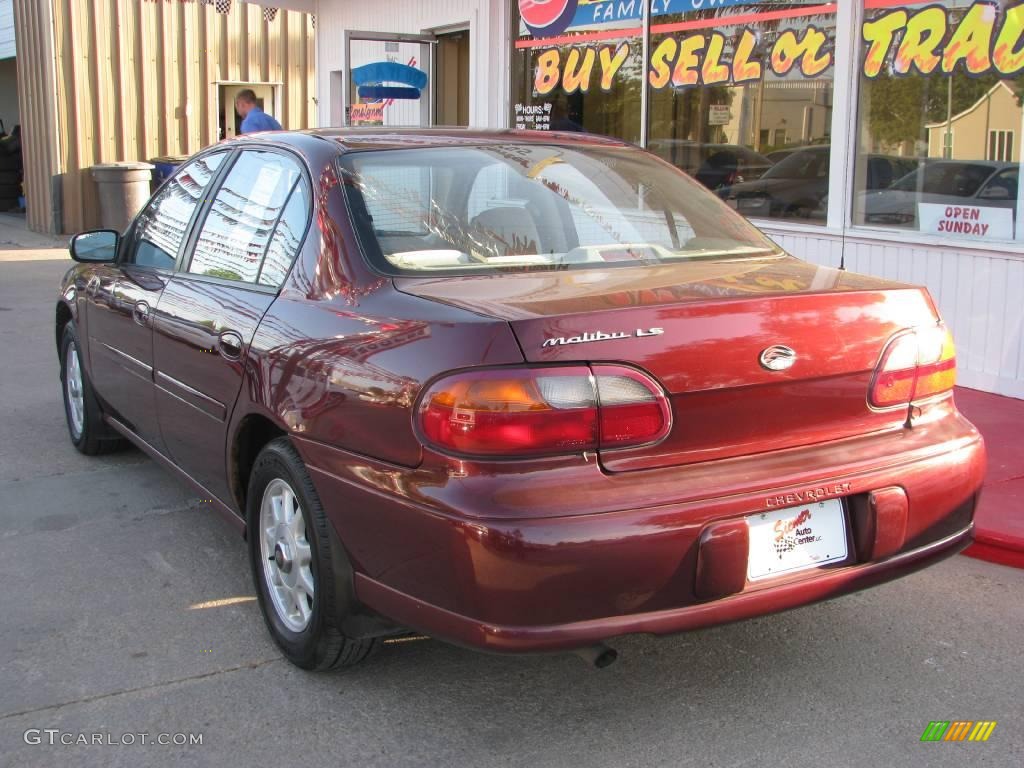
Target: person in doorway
253 118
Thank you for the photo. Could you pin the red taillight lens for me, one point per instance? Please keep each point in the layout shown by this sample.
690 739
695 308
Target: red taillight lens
543 411
916 365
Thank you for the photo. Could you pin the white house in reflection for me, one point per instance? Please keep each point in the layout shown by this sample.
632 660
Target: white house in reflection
992 122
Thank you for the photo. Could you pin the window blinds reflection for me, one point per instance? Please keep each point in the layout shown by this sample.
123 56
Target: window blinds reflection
237 229
164 223
287 238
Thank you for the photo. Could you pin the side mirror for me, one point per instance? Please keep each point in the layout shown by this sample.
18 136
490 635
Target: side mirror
995 193
95 247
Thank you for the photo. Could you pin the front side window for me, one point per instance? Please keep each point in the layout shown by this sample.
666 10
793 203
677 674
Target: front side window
535 207
162 226
940 89
237 231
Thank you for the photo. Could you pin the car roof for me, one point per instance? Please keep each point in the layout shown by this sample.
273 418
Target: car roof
380 137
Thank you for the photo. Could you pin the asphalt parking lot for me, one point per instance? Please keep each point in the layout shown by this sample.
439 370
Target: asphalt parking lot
126 607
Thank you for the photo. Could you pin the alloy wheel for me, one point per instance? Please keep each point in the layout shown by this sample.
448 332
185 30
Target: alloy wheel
286 555
74 390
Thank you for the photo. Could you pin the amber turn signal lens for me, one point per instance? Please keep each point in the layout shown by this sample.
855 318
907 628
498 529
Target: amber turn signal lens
916 364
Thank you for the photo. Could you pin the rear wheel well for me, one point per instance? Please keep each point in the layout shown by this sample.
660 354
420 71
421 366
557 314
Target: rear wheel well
63 318
254 432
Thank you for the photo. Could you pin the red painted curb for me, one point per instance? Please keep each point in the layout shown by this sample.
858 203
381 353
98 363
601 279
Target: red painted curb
995 554
999 519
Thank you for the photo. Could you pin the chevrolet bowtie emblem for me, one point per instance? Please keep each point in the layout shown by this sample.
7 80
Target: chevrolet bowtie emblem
778 358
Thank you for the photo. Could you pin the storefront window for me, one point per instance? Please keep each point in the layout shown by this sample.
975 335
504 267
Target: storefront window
741 99
739 91
939 127
577 70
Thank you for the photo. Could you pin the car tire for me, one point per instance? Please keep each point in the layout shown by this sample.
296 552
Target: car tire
82 412
292 547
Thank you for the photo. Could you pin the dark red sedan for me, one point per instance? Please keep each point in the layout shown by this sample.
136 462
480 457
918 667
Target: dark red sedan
521 392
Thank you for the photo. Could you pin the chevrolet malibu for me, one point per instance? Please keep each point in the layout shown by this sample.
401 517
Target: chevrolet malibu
520 392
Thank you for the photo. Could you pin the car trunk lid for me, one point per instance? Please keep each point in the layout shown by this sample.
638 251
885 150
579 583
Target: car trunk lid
701 329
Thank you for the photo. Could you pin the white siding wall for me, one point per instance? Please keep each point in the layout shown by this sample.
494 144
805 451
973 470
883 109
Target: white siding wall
488 22
980 294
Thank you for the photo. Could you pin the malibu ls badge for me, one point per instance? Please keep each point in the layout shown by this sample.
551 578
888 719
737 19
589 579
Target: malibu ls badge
590 336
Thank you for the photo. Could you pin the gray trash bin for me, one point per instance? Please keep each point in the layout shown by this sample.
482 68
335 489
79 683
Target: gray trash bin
123 190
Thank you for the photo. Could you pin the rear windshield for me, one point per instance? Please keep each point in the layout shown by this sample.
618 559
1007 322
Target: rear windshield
525 207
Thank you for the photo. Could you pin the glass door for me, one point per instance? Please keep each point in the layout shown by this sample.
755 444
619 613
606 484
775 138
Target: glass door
389 79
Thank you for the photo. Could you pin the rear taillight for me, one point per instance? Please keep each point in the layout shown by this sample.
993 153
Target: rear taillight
916 364
517 412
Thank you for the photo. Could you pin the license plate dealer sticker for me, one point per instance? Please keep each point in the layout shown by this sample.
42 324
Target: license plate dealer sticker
793 539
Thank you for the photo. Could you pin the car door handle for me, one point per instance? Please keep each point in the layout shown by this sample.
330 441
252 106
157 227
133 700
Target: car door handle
141 313
230 345
92 286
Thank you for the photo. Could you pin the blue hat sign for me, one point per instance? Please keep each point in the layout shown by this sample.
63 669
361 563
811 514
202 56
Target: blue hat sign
370 80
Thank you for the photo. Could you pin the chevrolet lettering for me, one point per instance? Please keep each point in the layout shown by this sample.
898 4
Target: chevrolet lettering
807 495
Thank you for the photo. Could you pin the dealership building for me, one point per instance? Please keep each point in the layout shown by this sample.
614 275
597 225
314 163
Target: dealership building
883 136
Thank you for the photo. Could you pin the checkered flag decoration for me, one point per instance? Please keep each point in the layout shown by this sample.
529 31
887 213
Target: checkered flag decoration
269 14
312 20
222 6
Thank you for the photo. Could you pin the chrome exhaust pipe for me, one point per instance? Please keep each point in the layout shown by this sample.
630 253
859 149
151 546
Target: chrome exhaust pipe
599 655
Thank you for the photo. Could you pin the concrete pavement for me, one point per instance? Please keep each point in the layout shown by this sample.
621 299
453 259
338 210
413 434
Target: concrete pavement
126 607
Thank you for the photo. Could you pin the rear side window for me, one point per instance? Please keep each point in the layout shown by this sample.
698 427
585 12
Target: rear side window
284 245
242 218
162 226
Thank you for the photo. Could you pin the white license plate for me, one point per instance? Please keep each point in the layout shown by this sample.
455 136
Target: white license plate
795 538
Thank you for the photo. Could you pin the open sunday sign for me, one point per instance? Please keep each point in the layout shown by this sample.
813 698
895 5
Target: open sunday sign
966 220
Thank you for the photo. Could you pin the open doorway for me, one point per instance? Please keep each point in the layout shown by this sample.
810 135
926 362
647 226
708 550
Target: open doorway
451 105
229 121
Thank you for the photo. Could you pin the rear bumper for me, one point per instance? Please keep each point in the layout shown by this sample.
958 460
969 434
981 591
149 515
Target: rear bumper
599 556
473 633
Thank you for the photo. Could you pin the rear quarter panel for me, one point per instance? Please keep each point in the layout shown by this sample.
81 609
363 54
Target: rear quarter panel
341 355
349 375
